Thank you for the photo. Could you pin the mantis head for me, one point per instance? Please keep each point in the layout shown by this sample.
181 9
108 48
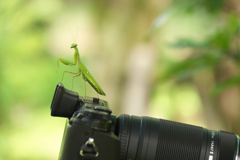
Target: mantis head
73 45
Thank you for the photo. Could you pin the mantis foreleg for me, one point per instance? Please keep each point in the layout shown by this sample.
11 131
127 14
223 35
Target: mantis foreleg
66 62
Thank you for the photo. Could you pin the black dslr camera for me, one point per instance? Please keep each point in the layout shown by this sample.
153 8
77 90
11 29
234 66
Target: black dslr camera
94 133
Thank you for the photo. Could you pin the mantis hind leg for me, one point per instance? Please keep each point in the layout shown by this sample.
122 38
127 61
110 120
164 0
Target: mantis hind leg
67 72
74 77
84 78
76 74
85 88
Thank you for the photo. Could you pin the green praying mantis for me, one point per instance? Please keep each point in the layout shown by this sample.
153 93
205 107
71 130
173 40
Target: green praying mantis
81 70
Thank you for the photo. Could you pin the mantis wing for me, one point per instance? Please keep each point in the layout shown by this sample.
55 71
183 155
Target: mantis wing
89 78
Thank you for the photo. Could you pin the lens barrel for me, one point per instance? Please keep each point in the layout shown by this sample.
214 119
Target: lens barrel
146 138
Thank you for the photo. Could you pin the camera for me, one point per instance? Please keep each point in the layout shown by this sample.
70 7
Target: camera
93 132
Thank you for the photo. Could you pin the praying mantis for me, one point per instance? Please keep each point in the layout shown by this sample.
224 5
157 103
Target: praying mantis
86 76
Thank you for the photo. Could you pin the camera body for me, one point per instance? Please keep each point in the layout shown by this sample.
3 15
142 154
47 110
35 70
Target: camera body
89 134
94 133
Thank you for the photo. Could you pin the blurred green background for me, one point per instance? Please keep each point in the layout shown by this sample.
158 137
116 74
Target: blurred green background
176 60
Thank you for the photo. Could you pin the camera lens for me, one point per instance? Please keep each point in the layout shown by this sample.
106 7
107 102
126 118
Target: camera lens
145 138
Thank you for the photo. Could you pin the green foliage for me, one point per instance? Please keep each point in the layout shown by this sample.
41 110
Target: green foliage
221 86
188 7
191 66
185 43
208 53
223 38
26 78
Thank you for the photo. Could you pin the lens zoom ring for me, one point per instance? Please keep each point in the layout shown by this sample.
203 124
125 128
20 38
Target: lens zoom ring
123 145
178 141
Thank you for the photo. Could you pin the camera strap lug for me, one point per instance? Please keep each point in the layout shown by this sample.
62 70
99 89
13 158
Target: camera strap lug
89 150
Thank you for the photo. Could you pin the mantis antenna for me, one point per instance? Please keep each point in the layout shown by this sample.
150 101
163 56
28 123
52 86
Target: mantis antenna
74 41
71 33
76 36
